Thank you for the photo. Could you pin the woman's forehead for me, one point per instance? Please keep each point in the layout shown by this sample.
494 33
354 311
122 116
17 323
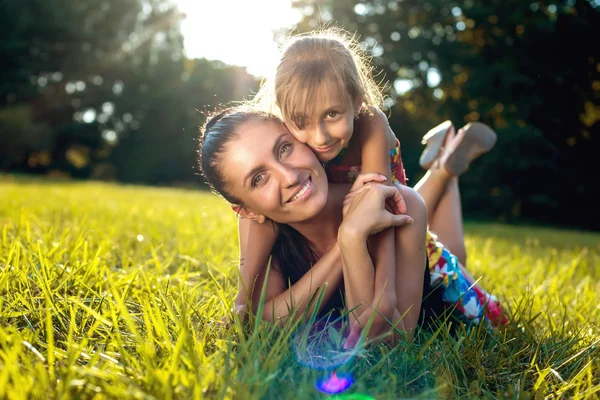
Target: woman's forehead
253 144
261 130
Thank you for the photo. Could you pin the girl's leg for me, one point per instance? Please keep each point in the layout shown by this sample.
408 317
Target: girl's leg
431 188
441 194
439 187
447 221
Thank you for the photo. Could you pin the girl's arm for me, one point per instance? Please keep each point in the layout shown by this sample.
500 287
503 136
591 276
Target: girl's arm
407 246
374 138
256 242
279 298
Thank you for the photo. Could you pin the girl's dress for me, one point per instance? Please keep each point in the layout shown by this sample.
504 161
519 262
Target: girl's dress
467 301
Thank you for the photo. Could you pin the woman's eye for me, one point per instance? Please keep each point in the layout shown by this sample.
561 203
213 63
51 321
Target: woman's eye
332 114
258 179
286 148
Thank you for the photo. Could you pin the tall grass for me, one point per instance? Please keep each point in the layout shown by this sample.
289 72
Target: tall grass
111 291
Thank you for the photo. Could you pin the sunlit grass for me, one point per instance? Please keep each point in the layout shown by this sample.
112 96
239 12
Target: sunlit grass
114 291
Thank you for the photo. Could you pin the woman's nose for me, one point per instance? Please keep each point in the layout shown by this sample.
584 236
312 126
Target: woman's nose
289 176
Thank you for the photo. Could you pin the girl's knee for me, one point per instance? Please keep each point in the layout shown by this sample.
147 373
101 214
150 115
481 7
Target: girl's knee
415 205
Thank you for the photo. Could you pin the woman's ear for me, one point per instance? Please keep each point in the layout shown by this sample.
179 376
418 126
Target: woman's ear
248 214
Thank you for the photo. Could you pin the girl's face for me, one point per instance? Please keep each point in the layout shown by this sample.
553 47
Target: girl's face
272 174
328 127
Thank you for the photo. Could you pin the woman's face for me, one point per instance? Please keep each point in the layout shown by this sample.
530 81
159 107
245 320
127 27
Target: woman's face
273 174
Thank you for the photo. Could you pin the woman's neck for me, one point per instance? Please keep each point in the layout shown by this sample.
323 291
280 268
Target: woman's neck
321 231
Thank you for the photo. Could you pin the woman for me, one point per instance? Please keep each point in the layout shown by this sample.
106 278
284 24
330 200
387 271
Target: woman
238 143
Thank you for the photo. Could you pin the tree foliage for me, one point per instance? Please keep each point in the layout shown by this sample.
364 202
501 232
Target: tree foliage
101 89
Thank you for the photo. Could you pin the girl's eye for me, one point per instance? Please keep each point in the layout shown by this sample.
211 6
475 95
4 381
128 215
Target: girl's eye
300 122
285 149
258 180
332 114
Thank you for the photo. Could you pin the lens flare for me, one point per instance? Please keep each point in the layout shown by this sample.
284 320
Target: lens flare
320 345
334 383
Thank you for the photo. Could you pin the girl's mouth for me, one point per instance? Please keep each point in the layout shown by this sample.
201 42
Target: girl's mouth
324 149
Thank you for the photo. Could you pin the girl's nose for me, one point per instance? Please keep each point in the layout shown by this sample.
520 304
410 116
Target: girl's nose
321 136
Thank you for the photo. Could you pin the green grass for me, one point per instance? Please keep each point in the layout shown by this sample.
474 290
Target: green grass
111 291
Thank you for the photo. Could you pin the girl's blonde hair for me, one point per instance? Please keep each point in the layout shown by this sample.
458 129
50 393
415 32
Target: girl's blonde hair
308 60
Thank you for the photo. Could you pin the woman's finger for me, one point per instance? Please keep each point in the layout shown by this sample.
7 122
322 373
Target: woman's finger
399 220
366 178
393 194
401 205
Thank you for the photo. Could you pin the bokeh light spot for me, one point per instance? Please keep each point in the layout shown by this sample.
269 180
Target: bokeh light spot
335 383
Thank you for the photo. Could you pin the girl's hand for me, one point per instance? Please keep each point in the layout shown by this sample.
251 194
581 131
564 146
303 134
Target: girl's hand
395 205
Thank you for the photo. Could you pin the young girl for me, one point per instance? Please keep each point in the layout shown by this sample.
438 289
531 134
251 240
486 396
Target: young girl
324 92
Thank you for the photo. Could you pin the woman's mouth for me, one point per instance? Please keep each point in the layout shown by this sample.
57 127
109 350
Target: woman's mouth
303 192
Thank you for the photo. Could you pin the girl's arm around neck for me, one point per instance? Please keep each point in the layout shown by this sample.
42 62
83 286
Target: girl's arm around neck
256 243
378 285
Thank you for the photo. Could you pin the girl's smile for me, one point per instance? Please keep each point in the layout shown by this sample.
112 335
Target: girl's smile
328 125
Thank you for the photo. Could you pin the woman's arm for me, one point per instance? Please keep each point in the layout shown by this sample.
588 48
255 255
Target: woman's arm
369 202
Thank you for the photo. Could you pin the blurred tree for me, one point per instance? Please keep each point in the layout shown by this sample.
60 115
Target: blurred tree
521 67
101 88
63 61
162 148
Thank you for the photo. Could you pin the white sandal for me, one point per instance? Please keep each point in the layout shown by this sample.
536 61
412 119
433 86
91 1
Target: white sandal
434 141
473 140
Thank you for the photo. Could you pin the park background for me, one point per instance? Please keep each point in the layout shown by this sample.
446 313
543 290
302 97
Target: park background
103 89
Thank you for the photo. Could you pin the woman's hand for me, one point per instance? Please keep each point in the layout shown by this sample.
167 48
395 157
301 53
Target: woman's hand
395 205
366 212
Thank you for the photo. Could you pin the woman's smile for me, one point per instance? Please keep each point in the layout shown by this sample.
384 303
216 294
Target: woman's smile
284 180
303 192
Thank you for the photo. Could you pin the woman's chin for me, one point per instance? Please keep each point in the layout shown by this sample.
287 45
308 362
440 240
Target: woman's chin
305 210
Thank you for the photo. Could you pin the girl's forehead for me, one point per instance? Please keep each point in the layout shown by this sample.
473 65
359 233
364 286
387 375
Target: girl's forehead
312 101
